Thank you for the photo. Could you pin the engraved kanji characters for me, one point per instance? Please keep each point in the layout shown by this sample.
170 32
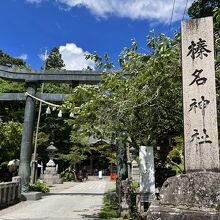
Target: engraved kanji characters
198 80
200 139
198 49
201 104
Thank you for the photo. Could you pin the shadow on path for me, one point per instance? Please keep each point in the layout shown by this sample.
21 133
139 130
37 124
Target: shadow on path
73 194
86 216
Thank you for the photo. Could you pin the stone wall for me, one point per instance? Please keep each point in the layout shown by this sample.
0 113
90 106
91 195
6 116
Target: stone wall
10 192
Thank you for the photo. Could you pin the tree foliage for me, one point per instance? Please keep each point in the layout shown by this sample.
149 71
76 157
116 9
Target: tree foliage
138 105
11 115
7 60
202 8
10 140
54 60
52 128
175 156
142 100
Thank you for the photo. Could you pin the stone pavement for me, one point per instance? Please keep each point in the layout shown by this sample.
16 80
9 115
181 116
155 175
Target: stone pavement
68 201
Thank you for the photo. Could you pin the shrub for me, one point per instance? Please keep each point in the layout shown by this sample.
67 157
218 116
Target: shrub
40 186
69 176
135 185
111 206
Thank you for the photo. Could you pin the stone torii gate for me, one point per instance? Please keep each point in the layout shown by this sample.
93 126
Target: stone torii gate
33 79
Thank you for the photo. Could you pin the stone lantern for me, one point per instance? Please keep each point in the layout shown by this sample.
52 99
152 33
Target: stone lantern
133 165
51 151
50 175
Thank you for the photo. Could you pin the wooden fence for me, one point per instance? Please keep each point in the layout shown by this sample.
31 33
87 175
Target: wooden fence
10 192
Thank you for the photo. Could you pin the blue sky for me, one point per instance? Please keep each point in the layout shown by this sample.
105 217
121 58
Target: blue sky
29 27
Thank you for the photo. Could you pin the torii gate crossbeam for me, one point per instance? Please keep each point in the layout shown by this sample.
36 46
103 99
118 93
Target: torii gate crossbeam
32 80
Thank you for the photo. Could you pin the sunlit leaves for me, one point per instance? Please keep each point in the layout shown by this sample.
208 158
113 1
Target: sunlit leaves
10 140
141 101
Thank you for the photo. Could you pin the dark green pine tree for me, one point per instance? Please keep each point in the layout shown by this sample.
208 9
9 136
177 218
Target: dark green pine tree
54 60
7 60
203 8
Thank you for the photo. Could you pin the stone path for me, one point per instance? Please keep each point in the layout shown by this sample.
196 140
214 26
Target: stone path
79 201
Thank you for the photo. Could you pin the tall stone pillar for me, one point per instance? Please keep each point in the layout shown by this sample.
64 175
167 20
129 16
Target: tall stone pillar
199 96
195 195
27 136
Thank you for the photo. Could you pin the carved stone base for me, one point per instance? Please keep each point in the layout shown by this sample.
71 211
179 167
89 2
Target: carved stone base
51 177
188 196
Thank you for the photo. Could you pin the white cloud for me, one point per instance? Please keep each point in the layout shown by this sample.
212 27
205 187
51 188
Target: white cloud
43 56
74 57
159 10
23 57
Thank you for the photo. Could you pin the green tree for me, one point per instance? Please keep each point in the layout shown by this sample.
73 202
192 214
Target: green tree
203 8
11 116
138 105
10 136
176 155
54 60
7 60
51 127
11 110
143 104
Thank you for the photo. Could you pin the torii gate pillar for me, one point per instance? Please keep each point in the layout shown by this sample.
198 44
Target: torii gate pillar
32 79
27 136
